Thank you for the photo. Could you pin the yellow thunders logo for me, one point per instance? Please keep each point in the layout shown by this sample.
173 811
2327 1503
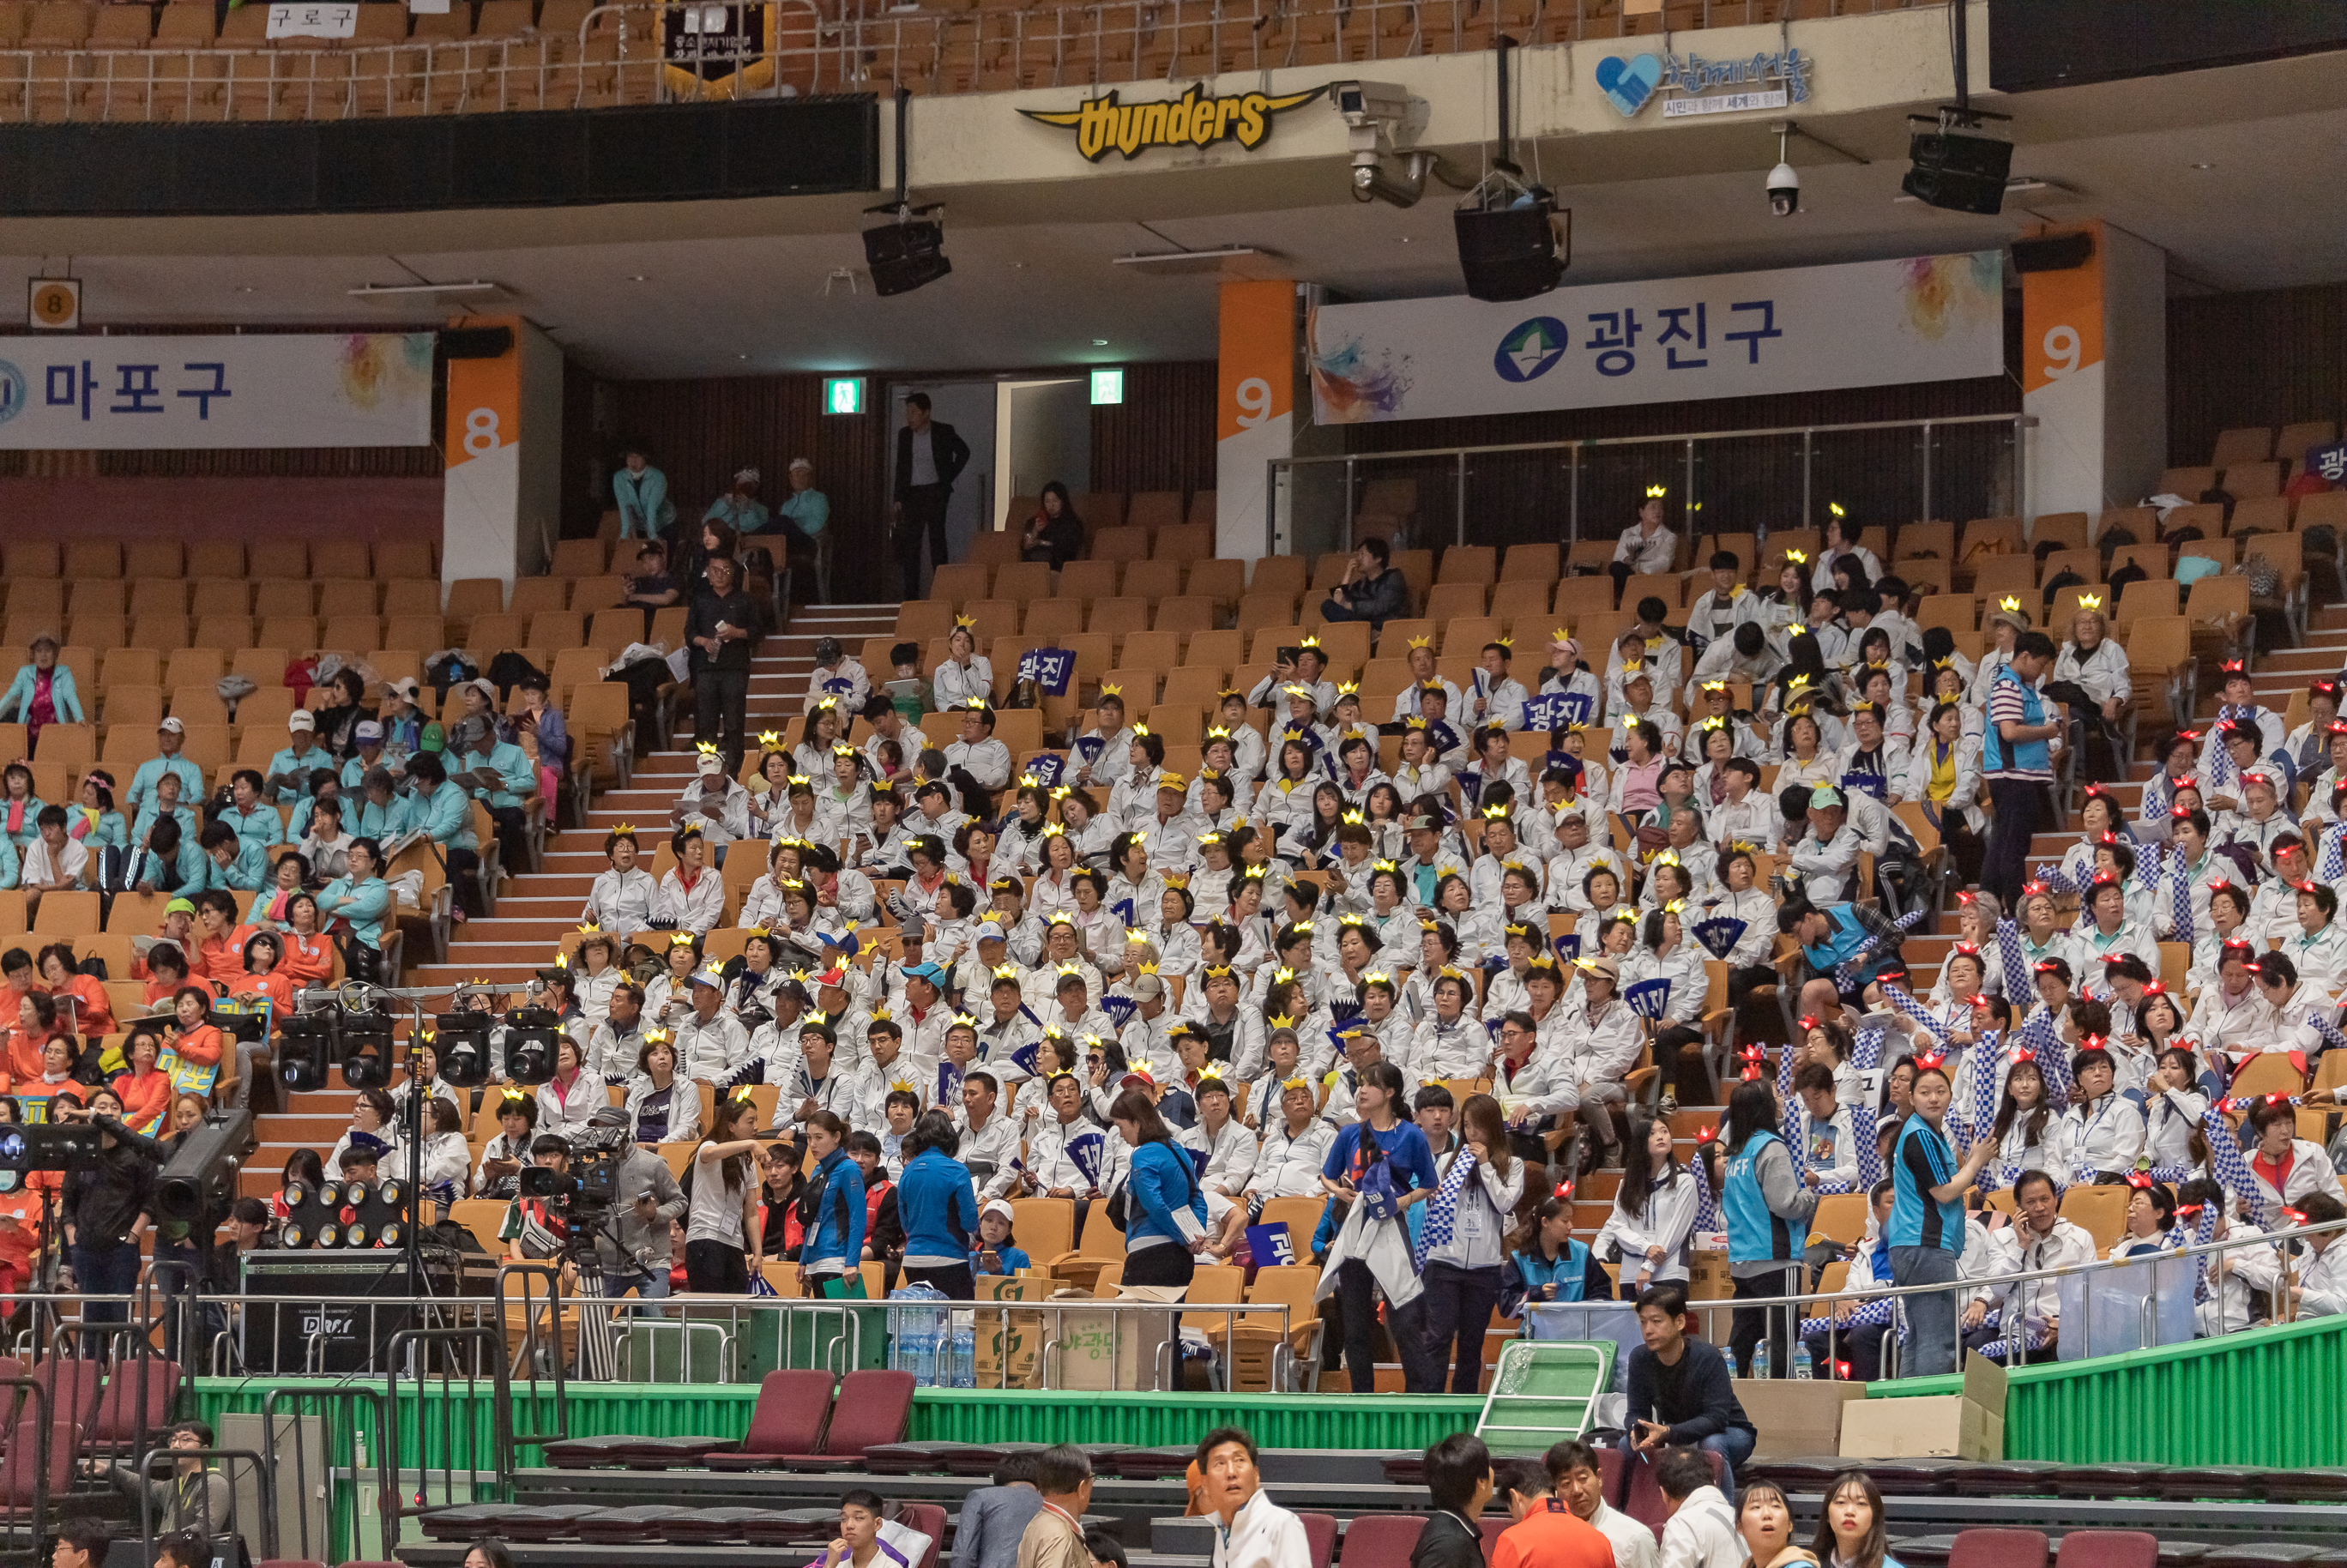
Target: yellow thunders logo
1104 126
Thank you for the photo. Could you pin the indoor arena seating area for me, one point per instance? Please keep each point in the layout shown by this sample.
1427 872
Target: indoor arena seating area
81 60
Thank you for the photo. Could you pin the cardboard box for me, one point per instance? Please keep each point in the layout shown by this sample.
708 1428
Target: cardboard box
1009 1343
1796 1419
1708 1276
1969 1425
1107 1351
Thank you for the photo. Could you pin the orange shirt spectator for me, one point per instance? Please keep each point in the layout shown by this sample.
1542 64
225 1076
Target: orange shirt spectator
220 957
1549 1536
276 985
36 1024
308 959
146 1094
194 1036
92 1011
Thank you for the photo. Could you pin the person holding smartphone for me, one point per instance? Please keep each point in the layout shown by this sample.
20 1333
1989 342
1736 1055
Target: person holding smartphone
995 1253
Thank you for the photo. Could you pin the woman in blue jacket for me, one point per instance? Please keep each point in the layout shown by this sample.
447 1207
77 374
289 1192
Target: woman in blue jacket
1165 1207
42 694
831 1213
1768 1209
938 1209
1545 1264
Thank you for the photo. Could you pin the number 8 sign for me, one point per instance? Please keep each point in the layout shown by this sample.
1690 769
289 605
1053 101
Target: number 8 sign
484 406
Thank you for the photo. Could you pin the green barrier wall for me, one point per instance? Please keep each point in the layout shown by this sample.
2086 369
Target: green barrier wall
432 1427
2269 1397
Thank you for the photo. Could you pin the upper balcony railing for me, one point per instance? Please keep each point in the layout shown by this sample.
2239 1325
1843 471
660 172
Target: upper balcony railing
66 62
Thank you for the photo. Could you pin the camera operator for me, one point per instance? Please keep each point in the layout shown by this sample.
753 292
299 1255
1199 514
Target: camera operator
106 1208
634 1244
555 1227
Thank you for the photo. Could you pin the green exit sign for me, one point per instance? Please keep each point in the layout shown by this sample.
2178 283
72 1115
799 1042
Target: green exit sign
843 394
1108 386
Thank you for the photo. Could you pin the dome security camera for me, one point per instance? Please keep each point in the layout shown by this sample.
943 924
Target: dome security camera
1783 191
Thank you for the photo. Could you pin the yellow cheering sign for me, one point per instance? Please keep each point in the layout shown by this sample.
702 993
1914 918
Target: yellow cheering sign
1104 126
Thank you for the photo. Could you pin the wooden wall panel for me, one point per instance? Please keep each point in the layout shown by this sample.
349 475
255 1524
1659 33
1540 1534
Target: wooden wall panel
2271 358
1162 436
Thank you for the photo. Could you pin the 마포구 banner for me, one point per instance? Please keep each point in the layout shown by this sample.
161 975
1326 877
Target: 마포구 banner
1801 329
121 393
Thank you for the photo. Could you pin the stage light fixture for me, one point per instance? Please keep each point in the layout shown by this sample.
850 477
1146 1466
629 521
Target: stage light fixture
1514 242
304 1050
363 1039
462 1038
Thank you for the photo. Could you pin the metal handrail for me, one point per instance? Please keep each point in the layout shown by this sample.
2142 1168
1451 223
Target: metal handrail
864 47
1960 1286
1689 441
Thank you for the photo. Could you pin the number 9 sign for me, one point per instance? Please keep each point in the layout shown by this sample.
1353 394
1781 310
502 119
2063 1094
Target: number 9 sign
2062 351
1254 395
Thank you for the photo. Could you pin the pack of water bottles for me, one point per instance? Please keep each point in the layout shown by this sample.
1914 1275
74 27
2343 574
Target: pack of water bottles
937 1346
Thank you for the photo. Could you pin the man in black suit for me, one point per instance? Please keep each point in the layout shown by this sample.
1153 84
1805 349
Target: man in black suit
929 457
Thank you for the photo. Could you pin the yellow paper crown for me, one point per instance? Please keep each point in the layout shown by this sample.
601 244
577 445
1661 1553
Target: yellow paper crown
1423 640
1140 730
1656 492
1109 691
1675 907
964 623
1415 722
656 1037
625 830
1347 689
880 1012
1218 732
1006 971
706 748
1148 969
1507 642
590 929
770 739
963 1021
842 749
681 939
1798 557
1355 819
1054 829
1170 780
1175 879
1217 972
1309 640
2009 604
797 779
2090 601
1376 978
1497 812
901 1085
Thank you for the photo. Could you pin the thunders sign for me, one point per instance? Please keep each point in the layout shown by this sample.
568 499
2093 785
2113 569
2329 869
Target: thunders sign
1104 126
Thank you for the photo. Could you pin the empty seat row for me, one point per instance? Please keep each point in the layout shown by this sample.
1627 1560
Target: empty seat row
83 559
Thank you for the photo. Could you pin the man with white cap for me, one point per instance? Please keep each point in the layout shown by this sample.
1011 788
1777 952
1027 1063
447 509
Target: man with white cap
367 751
739 509
714 803
498 774
712 1046
169 736
289 770
808 510
402 721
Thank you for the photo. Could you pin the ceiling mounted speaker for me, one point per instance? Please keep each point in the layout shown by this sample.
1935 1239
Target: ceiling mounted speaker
2056 253
1513 253
477 342
903 256
1958 173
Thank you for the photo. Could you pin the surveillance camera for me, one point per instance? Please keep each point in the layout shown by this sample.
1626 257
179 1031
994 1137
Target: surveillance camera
1783 191
1368 105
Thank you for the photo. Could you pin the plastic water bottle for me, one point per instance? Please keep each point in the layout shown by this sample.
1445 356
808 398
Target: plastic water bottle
1761 1359
965 1356
1801 1372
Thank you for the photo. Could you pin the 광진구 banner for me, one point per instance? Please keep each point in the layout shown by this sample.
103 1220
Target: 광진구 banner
1801 329
124 393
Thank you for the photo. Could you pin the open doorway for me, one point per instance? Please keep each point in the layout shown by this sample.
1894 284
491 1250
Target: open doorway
968 407
1044 432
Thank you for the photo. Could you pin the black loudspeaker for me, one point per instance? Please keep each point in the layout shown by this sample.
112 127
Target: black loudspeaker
2057 253
903 256
477 342
1958 173
1510 252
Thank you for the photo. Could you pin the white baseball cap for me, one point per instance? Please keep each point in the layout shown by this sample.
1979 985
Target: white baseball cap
301 719
171 727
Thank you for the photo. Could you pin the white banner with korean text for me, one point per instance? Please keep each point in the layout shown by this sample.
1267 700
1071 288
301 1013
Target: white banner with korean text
1736 335
124 393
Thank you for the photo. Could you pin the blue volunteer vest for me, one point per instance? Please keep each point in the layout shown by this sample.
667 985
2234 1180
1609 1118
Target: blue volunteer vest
2027 756
1754 1234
